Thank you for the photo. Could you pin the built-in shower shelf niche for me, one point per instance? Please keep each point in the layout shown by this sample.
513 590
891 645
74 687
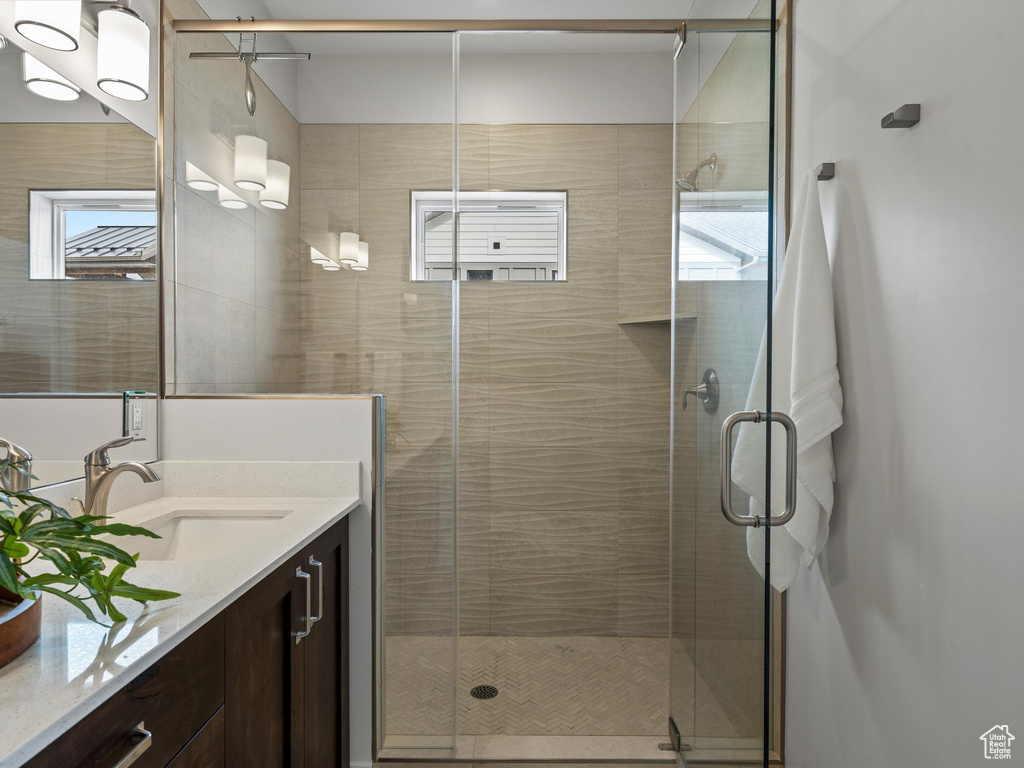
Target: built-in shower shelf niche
661 319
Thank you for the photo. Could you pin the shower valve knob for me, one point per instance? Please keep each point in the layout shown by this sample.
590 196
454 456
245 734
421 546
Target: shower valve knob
706 391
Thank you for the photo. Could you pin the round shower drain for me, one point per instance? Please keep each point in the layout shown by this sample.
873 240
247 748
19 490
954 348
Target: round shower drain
484 692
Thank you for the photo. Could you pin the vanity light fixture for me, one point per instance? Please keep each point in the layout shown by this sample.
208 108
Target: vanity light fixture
331 267
275 195
199 181
48 83
348 248
229 199
122 57
364 258
50 23
250 162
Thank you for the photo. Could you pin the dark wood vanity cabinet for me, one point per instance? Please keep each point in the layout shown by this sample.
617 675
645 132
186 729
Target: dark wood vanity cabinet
239 692
286 691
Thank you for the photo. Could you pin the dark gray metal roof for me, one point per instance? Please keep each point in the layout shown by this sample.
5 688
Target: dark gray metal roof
113 242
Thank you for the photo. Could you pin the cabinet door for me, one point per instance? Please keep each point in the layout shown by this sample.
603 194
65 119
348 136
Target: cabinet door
326 654
264 673
206 750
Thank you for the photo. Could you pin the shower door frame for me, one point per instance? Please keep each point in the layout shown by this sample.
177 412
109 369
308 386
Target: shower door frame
679 28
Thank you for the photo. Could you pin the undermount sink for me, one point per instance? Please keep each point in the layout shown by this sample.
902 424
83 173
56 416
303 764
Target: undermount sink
200 534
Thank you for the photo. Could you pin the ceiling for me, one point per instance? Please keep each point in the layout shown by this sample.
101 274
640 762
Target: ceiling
302 87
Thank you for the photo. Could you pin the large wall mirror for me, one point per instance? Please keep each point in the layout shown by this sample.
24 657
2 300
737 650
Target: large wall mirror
79 238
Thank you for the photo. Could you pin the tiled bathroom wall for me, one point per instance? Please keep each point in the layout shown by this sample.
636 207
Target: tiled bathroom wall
71 335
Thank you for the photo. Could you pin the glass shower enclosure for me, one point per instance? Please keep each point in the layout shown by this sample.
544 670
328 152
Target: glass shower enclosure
562 234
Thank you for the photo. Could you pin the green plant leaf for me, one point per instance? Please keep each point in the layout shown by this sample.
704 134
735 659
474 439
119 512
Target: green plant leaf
13 547
8 575
142 594
121 529
76 544
75 601
34 582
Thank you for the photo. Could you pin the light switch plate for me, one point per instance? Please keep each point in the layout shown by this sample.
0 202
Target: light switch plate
134 415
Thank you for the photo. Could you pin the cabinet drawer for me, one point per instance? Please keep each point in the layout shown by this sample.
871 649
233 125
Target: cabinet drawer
175 697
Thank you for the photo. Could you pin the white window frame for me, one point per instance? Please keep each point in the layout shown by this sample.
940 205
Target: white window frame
433 201
46 221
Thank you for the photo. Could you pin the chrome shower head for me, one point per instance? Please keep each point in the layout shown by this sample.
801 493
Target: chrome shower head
689 182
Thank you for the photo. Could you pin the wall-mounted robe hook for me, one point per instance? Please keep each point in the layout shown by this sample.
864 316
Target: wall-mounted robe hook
826 171
904 117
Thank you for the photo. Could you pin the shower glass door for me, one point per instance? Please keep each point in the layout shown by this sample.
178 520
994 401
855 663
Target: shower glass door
722 286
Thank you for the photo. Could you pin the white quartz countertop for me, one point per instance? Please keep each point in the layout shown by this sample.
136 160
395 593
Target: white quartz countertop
76 665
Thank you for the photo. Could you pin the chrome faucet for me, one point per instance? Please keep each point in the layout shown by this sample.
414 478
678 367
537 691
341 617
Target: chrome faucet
99 476
19 464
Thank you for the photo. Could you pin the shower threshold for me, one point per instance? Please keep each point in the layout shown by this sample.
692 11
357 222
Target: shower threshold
510 748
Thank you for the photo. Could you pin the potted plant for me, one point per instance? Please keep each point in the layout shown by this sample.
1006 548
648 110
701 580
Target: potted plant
78 550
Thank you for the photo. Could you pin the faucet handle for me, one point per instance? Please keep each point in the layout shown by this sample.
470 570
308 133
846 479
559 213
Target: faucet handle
15 453
99 456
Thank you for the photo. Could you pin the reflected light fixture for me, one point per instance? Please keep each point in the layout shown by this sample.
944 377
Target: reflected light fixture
229 199
3 42
198 180
324 261
122 56
317 257
250 162
348 248
50 23
364 258
48 83
275 195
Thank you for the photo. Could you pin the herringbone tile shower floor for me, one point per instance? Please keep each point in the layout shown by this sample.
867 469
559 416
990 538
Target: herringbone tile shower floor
566 686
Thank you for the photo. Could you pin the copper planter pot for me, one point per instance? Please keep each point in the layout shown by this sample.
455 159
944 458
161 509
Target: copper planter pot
19 628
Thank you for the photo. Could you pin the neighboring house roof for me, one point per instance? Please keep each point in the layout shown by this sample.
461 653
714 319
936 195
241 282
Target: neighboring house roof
113 243
112 251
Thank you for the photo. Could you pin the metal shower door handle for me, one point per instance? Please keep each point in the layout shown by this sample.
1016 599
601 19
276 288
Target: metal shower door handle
755 521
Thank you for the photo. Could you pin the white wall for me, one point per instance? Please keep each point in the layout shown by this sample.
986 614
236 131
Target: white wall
904 642
269 429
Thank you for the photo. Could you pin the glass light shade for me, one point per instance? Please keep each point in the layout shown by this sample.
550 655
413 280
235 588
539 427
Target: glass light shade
364 258
122 54
331 267
278 177
52 23
229 199
198 180
250 162
348 248
48 83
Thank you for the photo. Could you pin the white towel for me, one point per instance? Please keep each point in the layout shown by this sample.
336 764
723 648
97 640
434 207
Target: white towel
805 384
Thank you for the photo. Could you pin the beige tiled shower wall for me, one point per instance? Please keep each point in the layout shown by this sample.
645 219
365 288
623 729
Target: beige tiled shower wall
564 411
71 335
234 298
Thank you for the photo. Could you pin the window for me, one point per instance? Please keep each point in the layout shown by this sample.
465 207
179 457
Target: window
90 234
723 235
502 235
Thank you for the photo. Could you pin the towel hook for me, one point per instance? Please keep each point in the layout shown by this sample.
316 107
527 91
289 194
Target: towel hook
826 171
